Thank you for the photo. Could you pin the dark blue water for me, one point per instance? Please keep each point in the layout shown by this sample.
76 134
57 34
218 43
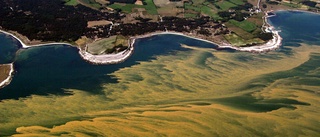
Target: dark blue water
297 27
50 69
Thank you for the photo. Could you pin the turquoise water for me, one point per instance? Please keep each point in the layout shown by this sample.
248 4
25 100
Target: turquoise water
51 69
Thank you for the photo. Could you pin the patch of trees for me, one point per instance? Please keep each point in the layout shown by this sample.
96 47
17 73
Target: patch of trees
309 3
265 36
116 49
264 6
244 7
237 15
142 19
212 1
204 32
49 20
123 1
272 2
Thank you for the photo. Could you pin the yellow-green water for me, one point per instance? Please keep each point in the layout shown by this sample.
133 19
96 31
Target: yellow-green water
187 91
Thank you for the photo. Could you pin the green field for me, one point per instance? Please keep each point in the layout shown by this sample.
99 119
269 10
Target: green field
90 3
71 2
245 25
150 7
127 8
202 8
225 5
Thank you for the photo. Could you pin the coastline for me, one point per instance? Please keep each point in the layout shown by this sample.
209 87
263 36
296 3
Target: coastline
123 55
9 78
272 44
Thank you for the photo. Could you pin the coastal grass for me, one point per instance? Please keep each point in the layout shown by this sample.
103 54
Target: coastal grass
245 25
236 40
71 2
194 92
101 46
4 72
121 40
292 5
237 2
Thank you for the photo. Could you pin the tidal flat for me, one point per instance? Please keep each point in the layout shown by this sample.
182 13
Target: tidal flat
189 89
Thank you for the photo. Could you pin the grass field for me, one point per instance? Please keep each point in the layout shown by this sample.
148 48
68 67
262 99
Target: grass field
201 7
245 25
150 7
100 46
225 5
240 32
235 40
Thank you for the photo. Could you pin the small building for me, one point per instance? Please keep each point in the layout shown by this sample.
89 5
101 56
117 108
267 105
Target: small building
139 2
